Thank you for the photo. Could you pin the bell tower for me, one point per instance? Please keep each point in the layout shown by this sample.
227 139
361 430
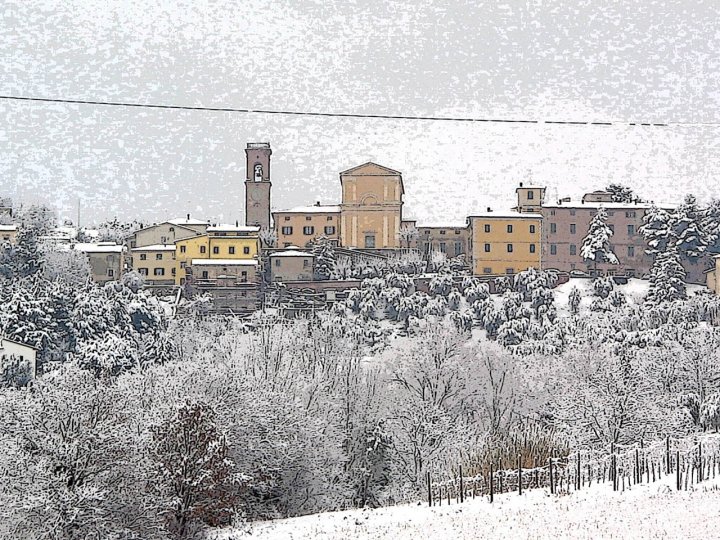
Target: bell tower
257 184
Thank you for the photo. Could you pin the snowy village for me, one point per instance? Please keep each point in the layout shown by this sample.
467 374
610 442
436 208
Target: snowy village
390 271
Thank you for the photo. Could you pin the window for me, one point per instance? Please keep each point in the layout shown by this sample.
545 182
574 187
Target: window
573 249
202 249
553 228
133 244
231 250
509 228
287 244
172 229
532 229
158 256
531 195
287 218
308 218
553 249
442 247
216 250
573 228
330 229
552 212
287 230
630 214
329 218
307 231
277 262
509 248
243 274
306 263
631 251
246 250
163 239
369 240
110 272
458 248
487 248
457 232
159 271
631 230
143 256
487 270
487 228
572 212
510 271
183 249
611 213
532 248
204 274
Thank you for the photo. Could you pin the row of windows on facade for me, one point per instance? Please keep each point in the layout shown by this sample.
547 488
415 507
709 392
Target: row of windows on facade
629 214
306 263
631 229
509 228
161 272
308 231
442 246
308 218
573 250
442 232
203 249
509 247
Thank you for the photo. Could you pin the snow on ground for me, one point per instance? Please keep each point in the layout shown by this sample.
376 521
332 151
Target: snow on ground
653 511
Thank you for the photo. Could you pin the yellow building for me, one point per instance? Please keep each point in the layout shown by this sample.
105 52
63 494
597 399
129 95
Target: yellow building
8 233
713 275
300 226
505 243
225 242
530 198
371 209
155 263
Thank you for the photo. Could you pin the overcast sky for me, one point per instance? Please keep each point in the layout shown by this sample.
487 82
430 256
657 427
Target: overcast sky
629 61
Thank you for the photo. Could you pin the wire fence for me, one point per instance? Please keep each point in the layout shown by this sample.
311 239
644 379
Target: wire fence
690 460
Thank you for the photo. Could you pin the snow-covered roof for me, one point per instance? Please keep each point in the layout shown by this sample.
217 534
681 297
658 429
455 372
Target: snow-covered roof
446 225
609 205
156 247
102 247
529 186
186 221
3 338
233 228
316 209
6 228
224 262
505 214
292 251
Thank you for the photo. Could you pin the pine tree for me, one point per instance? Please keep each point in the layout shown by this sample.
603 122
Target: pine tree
324 253
658 230
692 239
667 278
620 193
596 245
711 225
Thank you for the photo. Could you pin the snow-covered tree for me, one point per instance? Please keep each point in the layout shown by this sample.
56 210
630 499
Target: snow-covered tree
620 193
658 230
574 300
324 252
268 237
667 278
408 234
692 238
596 245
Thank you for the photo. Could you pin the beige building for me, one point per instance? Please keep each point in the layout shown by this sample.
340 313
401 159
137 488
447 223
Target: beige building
156 263
106 259
223 272
291 265
371 209
713 275
8 233
167 232
301 225
15 350
530 198
451 239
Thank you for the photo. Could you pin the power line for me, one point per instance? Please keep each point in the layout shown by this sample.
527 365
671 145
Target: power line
343 115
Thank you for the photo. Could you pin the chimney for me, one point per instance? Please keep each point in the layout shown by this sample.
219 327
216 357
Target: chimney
489 209
317 203
521 184
237 223
188 217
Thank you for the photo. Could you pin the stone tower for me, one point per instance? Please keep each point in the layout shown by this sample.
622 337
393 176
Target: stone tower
257 184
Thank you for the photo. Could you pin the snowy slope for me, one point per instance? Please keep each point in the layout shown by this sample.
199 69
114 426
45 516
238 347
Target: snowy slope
652 511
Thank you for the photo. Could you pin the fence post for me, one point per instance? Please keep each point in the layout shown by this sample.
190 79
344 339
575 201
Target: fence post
579 472
613 471
500 479
462 494
492 484
677 468
700 468
668 465
552 484
637 466
447 490
429 483
519 465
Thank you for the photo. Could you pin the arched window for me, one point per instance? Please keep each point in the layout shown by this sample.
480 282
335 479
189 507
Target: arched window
258 172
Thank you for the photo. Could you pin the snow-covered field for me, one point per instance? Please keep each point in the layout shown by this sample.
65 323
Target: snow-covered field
653 511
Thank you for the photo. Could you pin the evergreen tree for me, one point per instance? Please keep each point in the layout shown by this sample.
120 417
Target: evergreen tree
658 230
596 245
620 193
711 225
692 238
667 278
324 253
